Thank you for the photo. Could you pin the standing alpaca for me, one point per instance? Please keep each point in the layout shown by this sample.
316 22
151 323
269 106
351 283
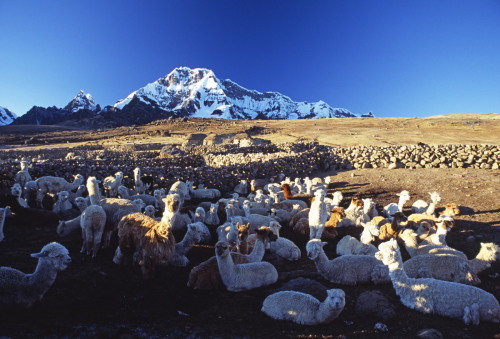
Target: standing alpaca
431 296
139 185
243 277
347 269
23 176
92 222
49 184
304 309
111 184
318 215
152 241
62 206
392 208
212 218
21 289
421 206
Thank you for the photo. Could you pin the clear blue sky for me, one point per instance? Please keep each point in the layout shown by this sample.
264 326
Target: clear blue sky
399 58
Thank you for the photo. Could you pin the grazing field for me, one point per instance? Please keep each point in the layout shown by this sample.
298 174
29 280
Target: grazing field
97 298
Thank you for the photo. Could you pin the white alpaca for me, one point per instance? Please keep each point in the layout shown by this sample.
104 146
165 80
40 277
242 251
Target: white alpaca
181 189
349 245
23 176
370 208
198 219
392 208
3 213
22 289
212 218
283 247
318 215
79 192
92 222
17 191
228 232
81 203
150 211
304 309
94 192
337 198
242 187
421 206
431 296
139 185
49 184
159 204
347 269
243 276
203 193
111 184
66 227
370 232
62 204
442 267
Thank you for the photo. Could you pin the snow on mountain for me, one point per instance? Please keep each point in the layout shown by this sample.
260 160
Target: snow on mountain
81 101
6 116
199 93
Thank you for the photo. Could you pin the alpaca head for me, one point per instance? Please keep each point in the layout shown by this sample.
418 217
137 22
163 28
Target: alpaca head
371 227
435 197
172 203
221 249
335 298
63 196
328 180
149 210
399 217
451 210
200 213
195 232
119 175
275 226
320 195
388 252
424 228
78 178
489 251
236 196
314 247
31 186
139 203
137 172
243 231
368 204
80 202
404 196
55 254
16 190
266 235
214 208
24 165
157 194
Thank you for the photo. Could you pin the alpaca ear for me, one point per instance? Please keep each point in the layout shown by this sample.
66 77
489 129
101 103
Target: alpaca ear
39 255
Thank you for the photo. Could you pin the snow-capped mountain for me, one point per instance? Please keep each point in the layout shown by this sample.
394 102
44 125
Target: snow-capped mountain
6 116
81 101
199 93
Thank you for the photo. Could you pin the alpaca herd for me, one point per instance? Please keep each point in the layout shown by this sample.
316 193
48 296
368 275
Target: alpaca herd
159 228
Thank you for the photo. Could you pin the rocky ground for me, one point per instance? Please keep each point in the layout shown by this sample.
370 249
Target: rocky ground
94 298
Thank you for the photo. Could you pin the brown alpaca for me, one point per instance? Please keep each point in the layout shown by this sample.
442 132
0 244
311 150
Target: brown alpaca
389 229
206 275
451 210
152 241
330 231
243 232
307 198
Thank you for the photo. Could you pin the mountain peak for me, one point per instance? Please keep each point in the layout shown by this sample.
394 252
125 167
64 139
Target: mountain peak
82 100
6 116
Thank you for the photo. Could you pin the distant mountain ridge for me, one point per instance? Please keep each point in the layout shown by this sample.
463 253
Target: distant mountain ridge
199 93
184 92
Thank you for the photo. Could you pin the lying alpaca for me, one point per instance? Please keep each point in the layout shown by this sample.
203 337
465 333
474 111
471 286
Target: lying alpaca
304 309
152 240
336 216
351 246
431 296
283 247
243 277
307 198
389 229
21 289
392 208
347 269
206 275
423 207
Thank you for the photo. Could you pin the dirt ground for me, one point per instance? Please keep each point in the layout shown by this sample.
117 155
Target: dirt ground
96 299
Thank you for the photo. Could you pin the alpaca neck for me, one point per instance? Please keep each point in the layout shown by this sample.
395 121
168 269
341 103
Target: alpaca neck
327 312
258 251
182 247
169 217
400 281
243 246
74 185
321 261
287 193
411 243
401 204
276 199
41 280
226 266
247 212
431 208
